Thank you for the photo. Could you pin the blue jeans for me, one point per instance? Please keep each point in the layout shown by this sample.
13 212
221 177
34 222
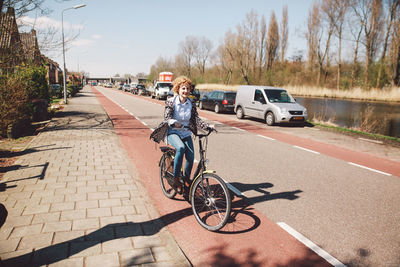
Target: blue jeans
183 147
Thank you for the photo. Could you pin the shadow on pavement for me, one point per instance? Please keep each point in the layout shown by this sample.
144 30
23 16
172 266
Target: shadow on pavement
3 186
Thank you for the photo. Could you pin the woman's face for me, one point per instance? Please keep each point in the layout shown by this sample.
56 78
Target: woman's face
184 90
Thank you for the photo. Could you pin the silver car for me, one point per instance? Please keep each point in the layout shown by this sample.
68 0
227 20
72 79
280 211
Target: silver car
274 105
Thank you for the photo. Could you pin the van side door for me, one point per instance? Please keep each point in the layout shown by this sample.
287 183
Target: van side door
258 104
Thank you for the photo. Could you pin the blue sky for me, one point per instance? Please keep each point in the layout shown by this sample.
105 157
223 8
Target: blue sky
127 36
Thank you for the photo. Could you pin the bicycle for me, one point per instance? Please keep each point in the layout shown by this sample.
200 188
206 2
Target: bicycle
207 193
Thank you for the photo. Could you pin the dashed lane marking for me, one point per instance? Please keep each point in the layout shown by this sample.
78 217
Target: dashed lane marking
361 166
305 149
266 137
329 258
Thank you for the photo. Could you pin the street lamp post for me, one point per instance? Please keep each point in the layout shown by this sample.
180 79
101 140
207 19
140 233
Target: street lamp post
63 47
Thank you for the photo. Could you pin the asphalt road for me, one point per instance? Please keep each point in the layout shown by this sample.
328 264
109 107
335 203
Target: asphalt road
350 212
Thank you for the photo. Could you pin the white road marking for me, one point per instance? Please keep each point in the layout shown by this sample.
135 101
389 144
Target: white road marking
305 149
329 258
370 140
361 166
266 137
239 129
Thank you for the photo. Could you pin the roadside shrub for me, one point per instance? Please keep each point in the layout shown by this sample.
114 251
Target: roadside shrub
34 78
14 102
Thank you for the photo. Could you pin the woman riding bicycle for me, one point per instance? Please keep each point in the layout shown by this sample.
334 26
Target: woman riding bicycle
180 120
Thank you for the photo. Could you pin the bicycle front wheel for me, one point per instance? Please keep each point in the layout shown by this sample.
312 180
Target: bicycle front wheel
167 168
211 202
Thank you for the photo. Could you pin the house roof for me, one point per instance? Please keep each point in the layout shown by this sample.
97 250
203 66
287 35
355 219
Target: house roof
8 29
30 45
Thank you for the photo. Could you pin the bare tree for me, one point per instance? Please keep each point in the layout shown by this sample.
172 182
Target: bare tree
202 54
393 6
395 50
284 33
261 47
369 12
335 12
272 41
313 35
187 53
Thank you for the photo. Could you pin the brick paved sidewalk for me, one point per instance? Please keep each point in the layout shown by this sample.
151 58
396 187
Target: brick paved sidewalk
74 199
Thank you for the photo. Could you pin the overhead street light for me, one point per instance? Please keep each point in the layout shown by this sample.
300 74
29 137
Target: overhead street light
63 46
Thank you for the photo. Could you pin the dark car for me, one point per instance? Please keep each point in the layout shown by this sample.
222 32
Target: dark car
139 89
218 101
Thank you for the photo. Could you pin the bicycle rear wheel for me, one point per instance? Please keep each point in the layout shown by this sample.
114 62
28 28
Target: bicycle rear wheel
166 168
211 202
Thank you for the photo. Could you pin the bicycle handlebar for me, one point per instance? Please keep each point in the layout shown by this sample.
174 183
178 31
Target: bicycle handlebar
210 130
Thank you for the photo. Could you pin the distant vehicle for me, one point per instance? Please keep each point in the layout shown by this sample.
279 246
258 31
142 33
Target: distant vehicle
108 85
161 90
218 101
126 88
195 95
140 89
56 90
274 105
163 85
119 85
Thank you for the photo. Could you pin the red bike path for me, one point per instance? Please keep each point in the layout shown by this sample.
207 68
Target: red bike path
249 239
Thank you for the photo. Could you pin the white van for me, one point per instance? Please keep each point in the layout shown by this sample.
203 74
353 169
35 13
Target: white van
274 105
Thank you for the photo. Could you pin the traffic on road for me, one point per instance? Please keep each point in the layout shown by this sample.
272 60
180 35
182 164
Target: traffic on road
337 203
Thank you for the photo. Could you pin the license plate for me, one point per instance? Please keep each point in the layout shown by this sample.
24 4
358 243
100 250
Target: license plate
298 118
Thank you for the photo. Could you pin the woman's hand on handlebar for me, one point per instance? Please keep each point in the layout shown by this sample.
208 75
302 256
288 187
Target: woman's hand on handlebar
177 124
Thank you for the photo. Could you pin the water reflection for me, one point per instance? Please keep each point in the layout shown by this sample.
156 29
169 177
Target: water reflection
382 118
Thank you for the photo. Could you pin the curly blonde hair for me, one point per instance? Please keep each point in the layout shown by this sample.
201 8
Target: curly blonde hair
182 80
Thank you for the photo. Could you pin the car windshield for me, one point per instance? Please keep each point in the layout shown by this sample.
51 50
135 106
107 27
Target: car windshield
168 85
230 96
140 86
279 96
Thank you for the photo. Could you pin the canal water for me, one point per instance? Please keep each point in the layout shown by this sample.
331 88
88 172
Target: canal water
374 117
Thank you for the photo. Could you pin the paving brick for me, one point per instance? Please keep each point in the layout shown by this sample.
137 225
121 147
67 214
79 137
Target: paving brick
75 197
119 194
147 241
117 245
5 232
57 226
36 241
14 221
107 188
56 185
27 202
36 209
85 224
69 215
44 193
98 195
19 195
109 202
110 259
87 204
136 257
104 221
98 212
62 206
161 254
9 245
52 199
123 210
76 262
87 189
69 236
33 187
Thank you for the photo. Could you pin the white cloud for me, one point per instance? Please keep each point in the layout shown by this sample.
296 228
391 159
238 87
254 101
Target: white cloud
96 36
83 42
46 22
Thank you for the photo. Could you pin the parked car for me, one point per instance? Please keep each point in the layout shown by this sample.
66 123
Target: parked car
218 101
126 88
108 85
274 105
139 89
119 85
